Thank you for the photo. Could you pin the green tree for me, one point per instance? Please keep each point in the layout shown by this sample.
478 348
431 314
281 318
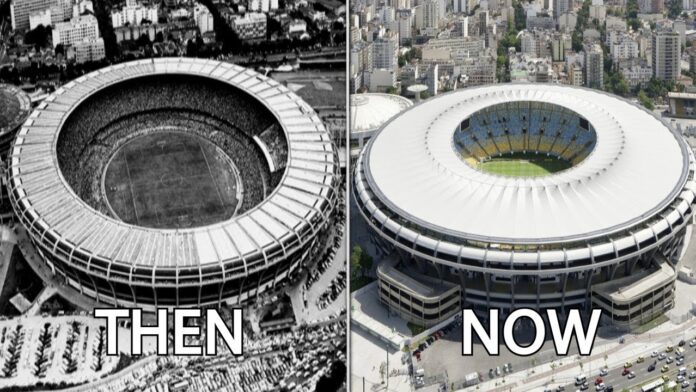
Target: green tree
674 9
355 256
645 100
520 16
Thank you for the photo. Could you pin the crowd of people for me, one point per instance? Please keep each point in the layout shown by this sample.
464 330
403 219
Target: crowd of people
220 113
277 145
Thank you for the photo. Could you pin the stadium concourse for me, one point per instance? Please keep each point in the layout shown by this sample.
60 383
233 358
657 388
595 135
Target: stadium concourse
174 182
526 195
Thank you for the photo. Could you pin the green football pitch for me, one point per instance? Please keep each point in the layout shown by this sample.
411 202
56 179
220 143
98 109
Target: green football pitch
524 165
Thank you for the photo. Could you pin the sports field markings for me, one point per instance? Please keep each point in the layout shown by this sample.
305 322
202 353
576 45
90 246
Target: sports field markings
130 188
210 172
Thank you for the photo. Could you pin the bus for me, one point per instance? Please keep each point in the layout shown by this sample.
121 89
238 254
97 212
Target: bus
653 386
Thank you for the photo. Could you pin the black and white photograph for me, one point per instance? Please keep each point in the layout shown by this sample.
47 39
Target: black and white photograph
178 165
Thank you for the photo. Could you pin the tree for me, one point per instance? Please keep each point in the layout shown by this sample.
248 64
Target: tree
143 40
675 9
38 37
355 256
520 16
645 101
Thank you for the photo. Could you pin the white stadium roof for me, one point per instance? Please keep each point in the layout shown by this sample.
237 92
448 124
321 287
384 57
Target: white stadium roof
637 167
369 111
49 200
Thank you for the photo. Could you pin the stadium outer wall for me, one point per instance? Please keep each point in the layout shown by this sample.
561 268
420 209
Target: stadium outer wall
230 262
572 273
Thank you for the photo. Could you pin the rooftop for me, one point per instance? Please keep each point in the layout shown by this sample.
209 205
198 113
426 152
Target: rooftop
411 167
369 111
632 287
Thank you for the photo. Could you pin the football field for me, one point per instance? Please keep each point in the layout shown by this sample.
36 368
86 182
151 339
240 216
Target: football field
171 180
524 165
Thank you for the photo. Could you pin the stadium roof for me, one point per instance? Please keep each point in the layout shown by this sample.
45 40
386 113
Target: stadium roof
369 111
49 201
638 166
16 107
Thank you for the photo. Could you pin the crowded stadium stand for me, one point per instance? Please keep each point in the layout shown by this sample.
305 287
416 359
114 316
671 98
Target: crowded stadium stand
176 118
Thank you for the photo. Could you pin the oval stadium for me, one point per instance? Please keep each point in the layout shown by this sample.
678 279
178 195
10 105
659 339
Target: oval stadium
173 182
527 195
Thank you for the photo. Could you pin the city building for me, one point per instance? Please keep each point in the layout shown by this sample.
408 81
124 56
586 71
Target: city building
20 10
636 75
575 75
77 30
478 70
463 6
40 18
567 21
432 79
560 7
540 21
89 50
250 26
530 69
636 299
682 105
624 48
262 5
204 19
418 299
297 26
594 66
431 14
385 51
62 11
134 14
666 55
560 44
360 64
598 10
404 21
381 79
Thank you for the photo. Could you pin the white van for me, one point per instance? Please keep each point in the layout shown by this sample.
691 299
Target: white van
579 380
682 370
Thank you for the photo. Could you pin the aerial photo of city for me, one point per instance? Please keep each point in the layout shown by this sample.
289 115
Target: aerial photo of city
512 154
173 154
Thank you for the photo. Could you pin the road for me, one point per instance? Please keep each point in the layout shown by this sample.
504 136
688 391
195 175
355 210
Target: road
643 376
